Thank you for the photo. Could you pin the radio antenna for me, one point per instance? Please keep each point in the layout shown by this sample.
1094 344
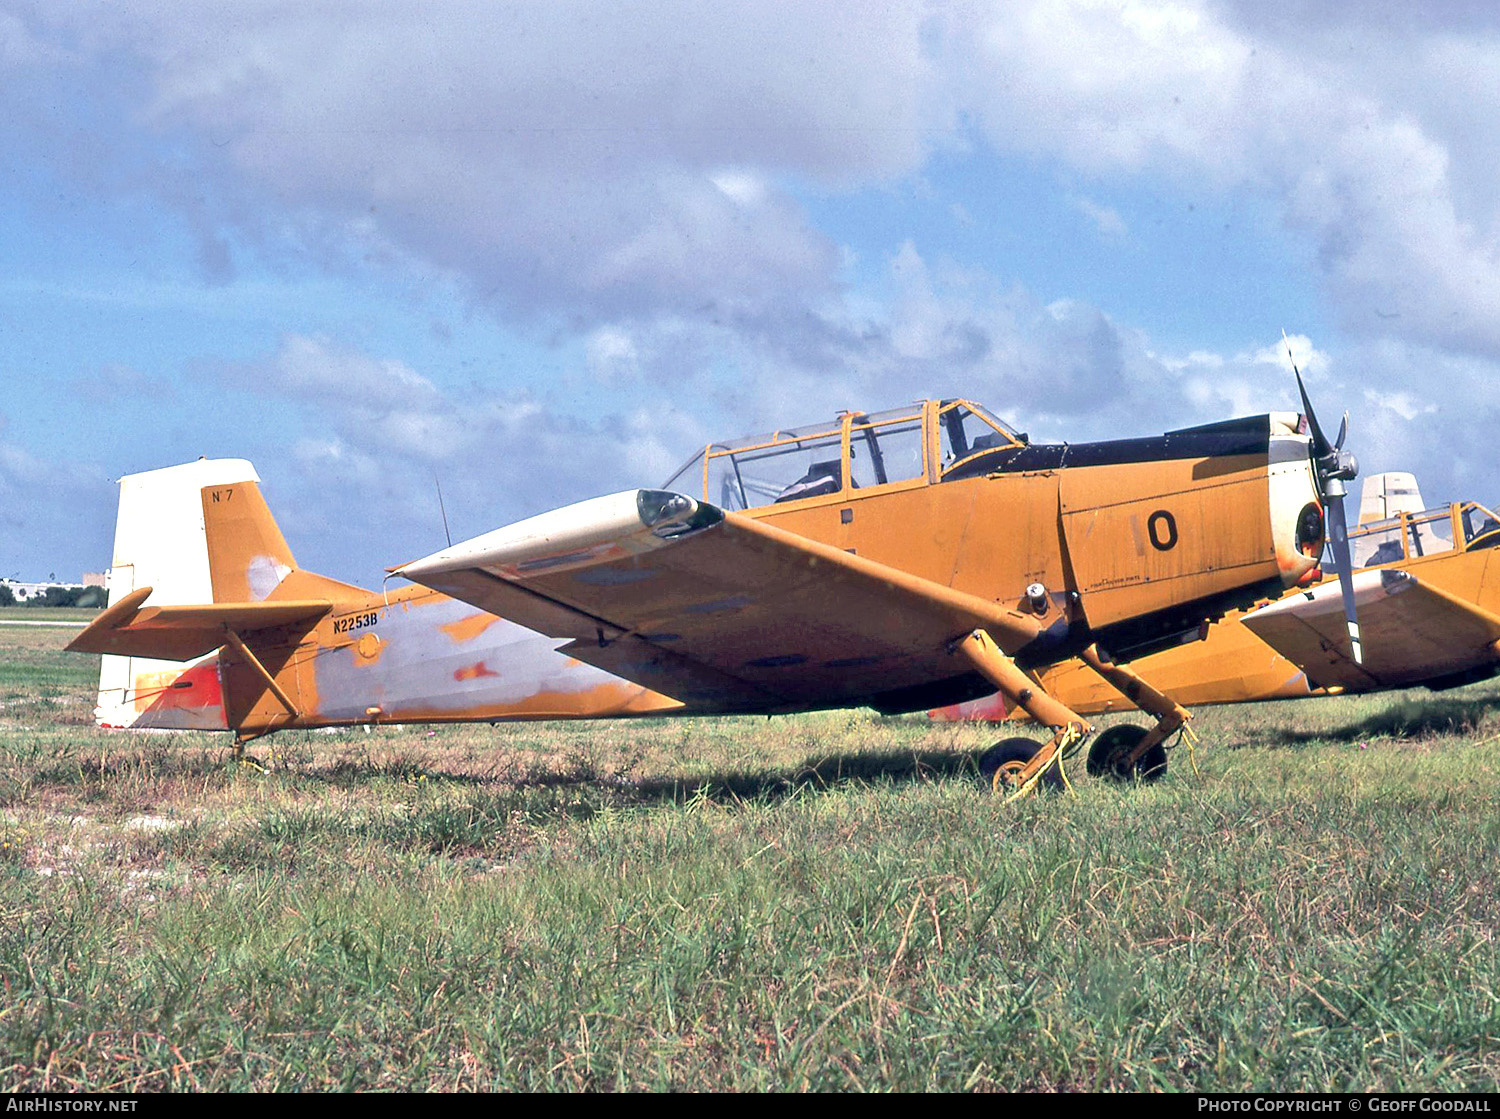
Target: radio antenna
441 509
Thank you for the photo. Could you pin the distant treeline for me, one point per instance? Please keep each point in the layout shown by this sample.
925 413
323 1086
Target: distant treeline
56 596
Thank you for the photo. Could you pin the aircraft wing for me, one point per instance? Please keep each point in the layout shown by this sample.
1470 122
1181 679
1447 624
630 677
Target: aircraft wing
1412 632
718 609
180 633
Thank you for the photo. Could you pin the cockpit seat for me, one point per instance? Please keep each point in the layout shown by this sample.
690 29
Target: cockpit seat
821 478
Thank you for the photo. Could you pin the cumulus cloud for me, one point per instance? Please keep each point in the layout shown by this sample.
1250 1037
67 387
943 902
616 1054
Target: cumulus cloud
1063 370
583 159
1106 219
389 437
560 157
1187 92
612 354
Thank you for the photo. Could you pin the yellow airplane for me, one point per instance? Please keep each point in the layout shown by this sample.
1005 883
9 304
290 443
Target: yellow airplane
1429 596
897 560
1297 649
916 557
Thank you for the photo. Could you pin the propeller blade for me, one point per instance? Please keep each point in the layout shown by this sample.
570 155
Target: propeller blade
1321 446
1332 467
1338 533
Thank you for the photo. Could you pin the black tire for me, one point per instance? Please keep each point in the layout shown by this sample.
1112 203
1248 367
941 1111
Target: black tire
1015 752
1108 753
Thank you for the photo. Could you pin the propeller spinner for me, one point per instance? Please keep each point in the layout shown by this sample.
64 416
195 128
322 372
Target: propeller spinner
1334 466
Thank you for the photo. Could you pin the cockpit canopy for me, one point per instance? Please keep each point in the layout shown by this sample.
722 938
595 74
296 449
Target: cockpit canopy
1413 535
855 450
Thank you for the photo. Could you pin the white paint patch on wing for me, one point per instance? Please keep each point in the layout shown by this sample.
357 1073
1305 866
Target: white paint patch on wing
1327 598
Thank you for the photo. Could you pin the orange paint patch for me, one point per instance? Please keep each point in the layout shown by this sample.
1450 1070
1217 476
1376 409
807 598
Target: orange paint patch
194 688
466 629
474 672
369 647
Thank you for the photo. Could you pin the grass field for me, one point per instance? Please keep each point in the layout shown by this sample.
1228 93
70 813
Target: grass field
821 902
74 614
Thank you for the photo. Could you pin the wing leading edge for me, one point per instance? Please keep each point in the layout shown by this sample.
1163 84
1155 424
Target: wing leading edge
717 609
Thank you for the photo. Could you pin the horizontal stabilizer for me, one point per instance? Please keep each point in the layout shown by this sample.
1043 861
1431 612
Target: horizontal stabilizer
180 633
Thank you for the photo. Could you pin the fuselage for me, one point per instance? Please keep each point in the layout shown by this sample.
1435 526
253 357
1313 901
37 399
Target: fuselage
414 656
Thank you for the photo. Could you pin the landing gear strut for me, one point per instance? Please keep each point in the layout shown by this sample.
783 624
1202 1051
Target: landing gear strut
1003 765
1017 766
1115 754
1131 753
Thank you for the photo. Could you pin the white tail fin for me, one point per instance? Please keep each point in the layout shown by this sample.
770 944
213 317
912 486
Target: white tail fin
160 543
1387 495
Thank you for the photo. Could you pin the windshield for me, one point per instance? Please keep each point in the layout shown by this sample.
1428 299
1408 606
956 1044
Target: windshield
965 430
1478 521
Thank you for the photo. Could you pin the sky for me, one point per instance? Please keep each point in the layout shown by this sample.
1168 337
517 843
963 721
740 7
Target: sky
537 252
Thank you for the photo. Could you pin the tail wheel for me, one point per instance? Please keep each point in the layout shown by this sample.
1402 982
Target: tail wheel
1000 766
1108 754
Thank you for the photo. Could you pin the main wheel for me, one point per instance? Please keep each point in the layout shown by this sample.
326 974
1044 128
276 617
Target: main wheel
1008 757
1110 750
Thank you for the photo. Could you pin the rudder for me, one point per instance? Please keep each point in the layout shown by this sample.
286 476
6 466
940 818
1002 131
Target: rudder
248 558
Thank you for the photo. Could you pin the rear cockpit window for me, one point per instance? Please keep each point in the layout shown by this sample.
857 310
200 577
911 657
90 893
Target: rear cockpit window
885 448
766 469
1407 536
1429 532
1377 543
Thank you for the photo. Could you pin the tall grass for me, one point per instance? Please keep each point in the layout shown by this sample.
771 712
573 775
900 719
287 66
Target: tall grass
820 902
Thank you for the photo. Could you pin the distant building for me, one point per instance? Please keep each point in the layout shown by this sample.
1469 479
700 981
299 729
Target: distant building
93 578
25 592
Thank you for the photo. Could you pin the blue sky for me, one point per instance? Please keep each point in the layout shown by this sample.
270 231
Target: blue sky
538 252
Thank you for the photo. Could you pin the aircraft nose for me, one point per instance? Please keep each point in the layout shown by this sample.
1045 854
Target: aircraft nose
1299 526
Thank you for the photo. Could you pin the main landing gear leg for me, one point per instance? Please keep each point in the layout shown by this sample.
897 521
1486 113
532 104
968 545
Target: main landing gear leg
240 739
1130 752
1017 776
